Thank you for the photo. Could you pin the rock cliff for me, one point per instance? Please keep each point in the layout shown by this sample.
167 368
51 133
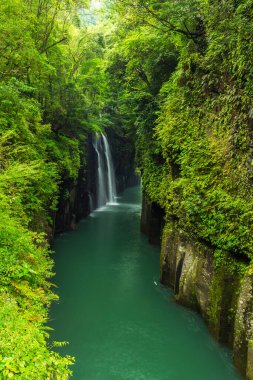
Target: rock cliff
217 286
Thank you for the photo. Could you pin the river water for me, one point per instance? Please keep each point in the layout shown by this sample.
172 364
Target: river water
121 324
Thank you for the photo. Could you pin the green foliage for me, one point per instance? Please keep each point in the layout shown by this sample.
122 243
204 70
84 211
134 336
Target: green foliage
172 78
24 295
24 355
51 91
204 130
184 82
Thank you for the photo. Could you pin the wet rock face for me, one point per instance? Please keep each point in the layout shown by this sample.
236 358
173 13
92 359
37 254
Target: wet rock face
218 293
152 221
74 201
186 270
123 154
73 204
243 342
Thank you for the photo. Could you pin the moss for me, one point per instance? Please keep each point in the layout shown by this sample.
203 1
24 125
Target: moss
224 292
214 309
167 232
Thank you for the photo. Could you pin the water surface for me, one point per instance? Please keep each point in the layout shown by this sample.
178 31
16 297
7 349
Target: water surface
121 324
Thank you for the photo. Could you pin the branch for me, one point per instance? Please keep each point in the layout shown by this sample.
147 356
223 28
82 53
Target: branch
172 27
52 45
143 76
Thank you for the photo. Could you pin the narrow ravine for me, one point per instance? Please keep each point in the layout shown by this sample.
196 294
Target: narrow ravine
121 324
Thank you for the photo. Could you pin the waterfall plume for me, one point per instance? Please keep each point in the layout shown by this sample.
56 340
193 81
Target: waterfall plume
106 184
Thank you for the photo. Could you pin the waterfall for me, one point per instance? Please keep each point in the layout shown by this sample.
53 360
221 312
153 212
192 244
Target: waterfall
91 202
110 171
106 187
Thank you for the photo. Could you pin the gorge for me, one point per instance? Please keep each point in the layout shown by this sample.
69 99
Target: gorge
158 92
120 323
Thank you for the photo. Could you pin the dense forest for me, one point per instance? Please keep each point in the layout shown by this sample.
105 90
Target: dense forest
173 78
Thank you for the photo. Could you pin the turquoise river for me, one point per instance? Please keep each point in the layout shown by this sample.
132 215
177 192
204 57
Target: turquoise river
119 322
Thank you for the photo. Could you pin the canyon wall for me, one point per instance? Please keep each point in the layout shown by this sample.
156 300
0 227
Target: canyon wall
217 286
